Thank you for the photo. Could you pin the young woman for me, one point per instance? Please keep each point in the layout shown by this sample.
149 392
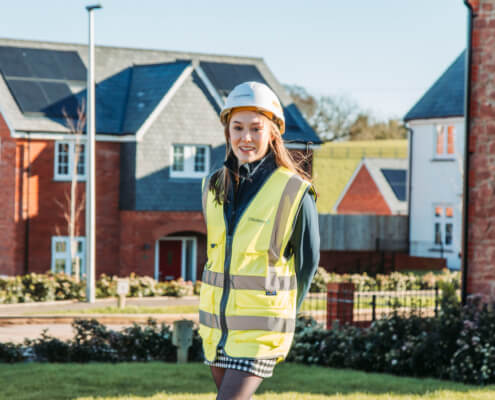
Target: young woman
262 245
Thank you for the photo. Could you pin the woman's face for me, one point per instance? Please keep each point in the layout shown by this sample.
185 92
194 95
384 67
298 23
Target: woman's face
250 134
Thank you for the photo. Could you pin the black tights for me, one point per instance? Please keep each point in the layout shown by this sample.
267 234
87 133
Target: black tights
233 384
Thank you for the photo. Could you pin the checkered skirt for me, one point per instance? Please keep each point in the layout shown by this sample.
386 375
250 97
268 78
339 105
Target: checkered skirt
263 368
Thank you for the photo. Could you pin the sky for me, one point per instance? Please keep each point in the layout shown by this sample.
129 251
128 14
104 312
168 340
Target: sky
381 54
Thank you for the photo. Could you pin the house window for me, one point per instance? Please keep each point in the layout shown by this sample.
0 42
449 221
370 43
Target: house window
189 161
61 260
65 157
445 141
444 225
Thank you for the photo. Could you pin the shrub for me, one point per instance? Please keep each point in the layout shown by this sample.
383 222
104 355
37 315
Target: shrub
95 342
392 282
457 344
10 353
48 349
49 286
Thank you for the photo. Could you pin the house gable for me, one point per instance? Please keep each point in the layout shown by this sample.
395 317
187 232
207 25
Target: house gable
189 118
388 177
445 98
363 196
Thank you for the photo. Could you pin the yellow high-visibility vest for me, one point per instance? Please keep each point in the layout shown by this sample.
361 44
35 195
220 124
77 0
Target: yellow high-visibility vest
248 291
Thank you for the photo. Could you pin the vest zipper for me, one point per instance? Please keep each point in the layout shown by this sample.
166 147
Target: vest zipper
226 277
226 290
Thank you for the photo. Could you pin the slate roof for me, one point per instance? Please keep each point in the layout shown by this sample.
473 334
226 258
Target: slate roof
445 98
132 82
124 101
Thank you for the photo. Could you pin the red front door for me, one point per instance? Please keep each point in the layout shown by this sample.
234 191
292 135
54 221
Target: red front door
170 260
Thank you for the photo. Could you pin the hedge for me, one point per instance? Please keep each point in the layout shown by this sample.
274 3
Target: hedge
48 287
392 281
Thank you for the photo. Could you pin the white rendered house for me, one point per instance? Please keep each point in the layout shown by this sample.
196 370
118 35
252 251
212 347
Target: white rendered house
436 151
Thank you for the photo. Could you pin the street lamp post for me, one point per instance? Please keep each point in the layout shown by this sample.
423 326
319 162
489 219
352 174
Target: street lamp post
90 180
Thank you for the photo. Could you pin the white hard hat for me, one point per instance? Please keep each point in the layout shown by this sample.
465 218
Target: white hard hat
256 96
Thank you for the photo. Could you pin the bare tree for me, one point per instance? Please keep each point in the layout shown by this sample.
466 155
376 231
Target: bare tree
330 116
72 206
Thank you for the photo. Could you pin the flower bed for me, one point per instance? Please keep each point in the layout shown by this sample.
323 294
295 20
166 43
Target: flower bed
49 287
391 282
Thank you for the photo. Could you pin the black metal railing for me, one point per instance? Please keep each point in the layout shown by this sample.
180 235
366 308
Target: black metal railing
372 305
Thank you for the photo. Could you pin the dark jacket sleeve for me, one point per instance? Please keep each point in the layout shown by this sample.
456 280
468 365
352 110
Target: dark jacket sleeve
305 245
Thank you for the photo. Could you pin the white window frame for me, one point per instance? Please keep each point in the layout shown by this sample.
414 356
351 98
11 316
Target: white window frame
189 155
71 156
65 256
443 220
445 144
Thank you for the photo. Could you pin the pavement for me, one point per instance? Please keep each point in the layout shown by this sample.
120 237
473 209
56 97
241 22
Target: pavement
28 320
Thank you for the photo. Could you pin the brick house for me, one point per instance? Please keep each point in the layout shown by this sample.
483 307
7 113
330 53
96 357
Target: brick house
157 132
377 186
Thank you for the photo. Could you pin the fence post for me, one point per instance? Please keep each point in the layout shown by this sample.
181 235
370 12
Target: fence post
340 303
373 308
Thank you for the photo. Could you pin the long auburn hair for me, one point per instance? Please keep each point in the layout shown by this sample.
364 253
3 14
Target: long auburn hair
220 181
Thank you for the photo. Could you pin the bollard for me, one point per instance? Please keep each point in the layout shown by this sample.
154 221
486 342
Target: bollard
122 290
182 338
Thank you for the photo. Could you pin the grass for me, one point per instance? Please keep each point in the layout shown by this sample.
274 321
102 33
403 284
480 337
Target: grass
318 304
161 381
335 162
185 309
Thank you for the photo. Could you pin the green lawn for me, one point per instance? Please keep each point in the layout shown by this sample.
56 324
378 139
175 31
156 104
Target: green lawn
318 304
160 381
186 309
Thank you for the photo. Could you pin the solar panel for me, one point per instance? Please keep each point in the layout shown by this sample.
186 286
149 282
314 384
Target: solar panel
38 79
71 65
12 62
28 95
396 178
55 91
224 76
42 64
60 99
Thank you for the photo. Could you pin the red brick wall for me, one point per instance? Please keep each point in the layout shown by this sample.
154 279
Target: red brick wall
481 208
363 197
11 217
146 227
30 197
373 262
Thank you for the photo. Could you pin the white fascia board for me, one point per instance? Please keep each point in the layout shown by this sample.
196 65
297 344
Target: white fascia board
70 136
301 146
209 86
163 102
348 184
434 121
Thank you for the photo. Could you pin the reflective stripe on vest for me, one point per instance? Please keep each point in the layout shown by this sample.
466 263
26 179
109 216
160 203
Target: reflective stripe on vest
259 284
246 323
251 282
